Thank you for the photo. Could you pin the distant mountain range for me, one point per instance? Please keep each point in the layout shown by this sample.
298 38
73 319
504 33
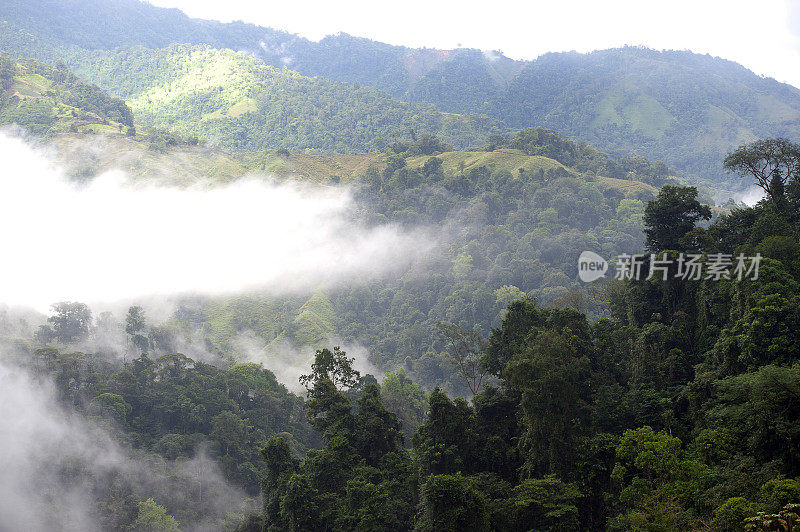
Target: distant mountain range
686 109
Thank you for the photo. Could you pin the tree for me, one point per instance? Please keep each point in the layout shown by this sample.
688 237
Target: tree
466 349
377 429
44 334
774 163
671 216
71 322
510 338
406 399
551 375
450 503
444 442
334 366
546 504
154 518
135 325
279 468
656 481
229 430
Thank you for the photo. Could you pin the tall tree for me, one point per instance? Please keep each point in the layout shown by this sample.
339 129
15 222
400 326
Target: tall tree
71 322
466 347
671 216
774 163
334 366
135 325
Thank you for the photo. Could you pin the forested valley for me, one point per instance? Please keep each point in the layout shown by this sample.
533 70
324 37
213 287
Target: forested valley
426 355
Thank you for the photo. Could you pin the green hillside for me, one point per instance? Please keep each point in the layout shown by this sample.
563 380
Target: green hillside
238 100
447 202
686 109
40 27
52 100
182 163
512 222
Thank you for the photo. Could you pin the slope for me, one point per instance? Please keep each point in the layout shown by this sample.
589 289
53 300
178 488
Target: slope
686 109
243 103
50 100
39 26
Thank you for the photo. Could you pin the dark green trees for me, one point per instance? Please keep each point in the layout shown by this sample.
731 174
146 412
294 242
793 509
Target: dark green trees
135 328
671 216
361 478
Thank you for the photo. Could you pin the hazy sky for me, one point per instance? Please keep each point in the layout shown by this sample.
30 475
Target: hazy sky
764 35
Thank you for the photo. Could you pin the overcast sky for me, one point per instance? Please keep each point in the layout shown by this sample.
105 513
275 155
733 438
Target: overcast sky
763 35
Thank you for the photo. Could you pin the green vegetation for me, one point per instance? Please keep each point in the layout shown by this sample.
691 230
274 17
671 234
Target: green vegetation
672 406
514 224
236 99
678 412
512 396
686 109
49 100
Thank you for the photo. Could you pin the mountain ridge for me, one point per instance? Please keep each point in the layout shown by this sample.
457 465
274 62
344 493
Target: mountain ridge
684 108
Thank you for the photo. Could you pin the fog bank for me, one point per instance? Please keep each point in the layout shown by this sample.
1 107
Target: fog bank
110 239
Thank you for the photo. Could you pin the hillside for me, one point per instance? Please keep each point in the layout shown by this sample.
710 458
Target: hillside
244 103
511 225
41 26
678 411
686 109
256 283
186 164
50 100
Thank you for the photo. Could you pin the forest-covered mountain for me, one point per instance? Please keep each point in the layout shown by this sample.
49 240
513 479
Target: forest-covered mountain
238 100
512 217
41 26
497 391
686 109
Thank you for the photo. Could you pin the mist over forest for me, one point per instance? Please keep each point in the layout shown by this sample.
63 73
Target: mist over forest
255 282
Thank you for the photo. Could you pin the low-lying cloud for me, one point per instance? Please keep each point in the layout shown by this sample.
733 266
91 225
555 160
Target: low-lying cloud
111 239
59 468
288 361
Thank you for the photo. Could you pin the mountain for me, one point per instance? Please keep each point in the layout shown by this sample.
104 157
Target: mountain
238 99
512 222
39 26
686 109
246 104
51 100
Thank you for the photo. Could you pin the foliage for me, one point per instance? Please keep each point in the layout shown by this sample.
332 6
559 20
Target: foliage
154 518
672 215
774 163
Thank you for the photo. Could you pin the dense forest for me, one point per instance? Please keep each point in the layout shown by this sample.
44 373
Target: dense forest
678 410
245 104
511 231
674 410
478 382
